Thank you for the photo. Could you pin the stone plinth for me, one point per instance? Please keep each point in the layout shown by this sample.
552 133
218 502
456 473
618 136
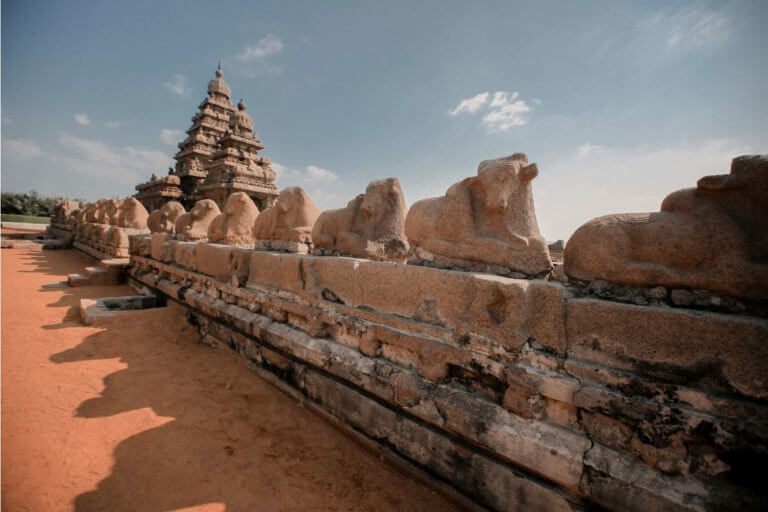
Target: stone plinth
553 402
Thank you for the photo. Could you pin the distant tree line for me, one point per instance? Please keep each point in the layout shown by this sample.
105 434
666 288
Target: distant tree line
30 203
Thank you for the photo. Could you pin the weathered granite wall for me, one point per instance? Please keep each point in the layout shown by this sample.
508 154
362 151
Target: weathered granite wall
523 394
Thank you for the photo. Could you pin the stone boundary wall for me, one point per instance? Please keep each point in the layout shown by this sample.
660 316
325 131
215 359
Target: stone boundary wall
516 392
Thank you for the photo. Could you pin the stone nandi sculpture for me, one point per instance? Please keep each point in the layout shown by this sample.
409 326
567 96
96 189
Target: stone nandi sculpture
234 226
133 215
193 225
98 229
371 226
287 225
83 216
131 219
485 222
713 236
63 210
113 211
164 219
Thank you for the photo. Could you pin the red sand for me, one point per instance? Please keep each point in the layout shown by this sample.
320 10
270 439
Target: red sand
135 414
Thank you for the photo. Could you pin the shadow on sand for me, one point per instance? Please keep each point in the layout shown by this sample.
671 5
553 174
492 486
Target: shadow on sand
231 441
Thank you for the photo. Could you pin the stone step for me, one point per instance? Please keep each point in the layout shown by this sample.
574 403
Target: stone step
77 280
115 264
102 275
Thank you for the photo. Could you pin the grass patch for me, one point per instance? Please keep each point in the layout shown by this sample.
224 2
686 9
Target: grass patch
7 217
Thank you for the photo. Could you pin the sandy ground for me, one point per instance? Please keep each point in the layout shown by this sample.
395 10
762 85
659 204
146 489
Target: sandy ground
135 414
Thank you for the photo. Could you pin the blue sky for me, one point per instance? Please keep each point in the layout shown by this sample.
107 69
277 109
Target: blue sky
618 102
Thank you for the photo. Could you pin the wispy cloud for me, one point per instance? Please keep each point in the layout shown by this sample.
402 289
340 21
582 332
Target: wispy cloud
112 124
179 86
311 174
697 27
257 59
171 137
323 186
94 158
469 105
319 175
82 119
587 150
503 112
21 149
689 28
266 47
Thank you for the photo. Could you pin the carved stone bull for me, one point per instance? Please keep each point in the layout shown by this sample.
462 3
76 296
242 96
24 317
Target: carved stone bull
133 214
164 219
713 236
487 219
193 225
234 226
290 219
371 226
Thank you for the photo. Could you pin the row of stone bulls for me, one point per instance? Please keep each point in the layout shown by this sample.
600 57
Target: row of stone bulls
711 237
104 225
484 223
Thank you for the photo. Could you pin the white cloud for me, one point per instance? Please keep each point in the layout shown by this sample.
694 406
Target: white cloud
322 185
469 105
311 175
21 149
502 112
506 111
257 59
574 189
179 86
318 175
112 124
82 119
94 158
694 28
266 47
171 137
587 150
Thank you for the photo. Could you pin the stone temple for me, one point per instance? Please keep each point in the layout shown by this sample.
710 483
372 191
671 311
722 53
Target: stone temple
630 376
218 157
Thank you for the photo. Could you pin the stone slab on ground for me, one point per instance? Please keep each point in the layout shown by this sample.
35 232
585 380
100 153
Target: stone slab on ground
27 226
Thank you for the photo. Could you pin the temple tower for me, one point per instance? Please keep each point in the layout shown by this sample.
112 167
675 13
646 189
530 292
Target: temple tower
209 124
236 166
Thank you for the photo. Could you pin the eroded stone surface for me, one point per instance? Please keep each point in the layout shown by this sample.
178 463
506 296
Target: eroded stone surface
371 226
711 237
290 219
194 224
114 207
592 396
132 214
234 226
488 218
164 219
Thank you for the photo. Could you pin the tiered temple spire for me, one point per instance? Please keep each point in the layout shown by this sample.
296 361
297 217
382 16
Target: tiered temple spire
236 166
209 125
218 157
